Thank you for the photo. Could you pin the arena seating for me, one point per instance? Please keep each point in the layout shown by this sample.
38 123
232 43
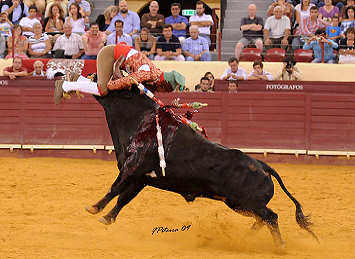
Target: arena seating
250 54
275 55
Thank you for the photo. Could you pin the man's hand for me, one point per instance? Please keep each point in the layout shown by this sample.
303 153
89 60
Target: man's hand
284 41
12 76
16 3
268 41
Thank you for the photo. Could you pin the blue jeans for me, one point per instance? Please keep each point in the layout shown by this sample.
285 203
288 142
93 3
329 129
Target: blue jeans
89 57
205 57
318 60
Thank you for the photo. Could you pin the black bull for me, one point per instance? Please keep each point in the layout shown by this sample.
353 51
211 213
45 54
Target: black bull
196 167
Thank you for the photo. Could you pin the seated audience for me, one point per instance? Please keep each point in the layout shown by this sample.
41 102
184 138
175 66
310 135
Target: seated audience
20 43
85 7
302 11
71 43
234 72
204 85
327 11
203 21
349 20
286 7
277 30
39 43
118 35
37 69
93 41
153 20
15 9
333 31
2 46
62 3
168 46
104 20
347 47
196 48
289 71
210 77
5 25
76 19
252 29
342 11
54 23
28 22
315 42
15 70
146 43
178 22
258 73
233 86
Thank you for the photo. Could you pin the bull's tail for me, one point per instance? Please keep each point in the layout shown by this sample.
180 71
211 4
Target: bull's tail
302 220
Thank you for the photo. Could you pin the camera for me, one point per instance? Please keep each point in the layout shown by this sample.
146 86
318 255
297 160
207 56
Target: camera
289 65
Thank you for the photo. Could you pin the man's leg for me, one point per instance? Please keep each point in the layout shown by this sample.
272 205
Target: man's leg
190 58
157 57
240 46
316 60
206 56
179 58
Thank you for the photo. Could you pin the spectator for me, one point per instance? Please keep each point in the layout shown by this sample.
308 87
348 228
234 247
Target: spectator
178 22
40 5
76 19
85 8
37 69
152 20
347 47
349 20
339 3
233 86
62 3
16 69
333 31
2 46
71 43
118 35
277 29
210 76
234 72
327 11
286 7
39 43
252 29
204 85
5 25
308 28
146 43
104 20
315 42
168 45
258 73
342 11
289 72
203 21
93 41
20 43
303 11
54 23
196 48
130 19
15 9
28 22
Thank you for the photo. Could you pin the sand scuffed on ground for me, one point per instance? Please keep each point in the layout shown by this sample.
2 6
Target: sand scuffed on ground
42 216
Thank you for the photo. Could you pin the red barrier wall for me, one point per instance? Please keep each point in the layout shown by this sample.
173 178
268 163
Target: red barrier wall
273 119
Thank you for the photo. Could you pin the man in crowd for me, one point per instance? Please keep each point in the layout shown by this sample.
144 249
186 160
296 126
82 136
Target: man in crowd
93 41
234 72
38 69
28 22
178 22
15 9
252 29
153 20
5 25
168 46
258 73
289 71
204 85
196 48
203 21
16 69
277 30
118 35
71 43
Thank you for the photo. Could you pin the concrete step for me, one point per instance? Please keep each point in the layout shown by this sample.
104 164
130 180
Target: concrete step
231 34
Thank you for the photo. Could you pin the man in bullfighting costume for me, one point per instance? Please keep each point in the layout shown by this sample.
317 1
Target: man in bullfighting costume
110 60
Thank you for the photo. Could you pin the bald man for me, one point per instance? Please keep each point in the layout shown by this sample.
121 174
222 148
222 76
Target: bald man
152 20
252 29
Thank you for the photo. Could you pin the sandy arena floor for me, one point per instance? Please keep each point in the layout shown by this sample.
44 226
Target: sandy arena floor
42 216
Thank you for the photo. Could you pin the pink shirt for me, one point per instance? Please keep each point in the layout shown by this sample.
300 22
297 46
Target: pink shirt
94 42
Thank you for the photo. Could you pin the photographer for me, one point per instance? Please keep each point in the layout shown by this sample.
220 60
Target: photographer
315 43
289 71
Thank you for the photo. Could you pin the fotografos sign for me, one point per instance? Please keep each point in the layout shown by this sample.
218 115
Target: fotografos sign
287 87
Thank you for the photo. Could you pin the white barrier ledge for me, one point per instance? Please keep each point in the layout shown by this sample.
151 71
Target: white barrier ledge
318 153
11 147
81 147
296 152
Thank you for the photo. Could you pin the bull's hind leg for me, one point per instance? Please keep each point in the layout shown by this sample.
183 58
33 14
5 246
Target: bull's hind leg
125 197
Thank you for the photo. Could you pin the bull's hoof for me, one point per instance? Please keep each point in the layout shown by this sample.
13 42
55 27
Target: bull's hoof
92 209
106 220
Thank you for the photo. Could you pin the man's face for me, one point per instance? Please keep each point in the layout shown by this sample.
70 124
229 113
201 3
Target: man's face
153 7
167 32
258 70
314 14
38 68
205 84
232 87
17 63
3 17
94 29
200 9
252 10
37 28
67 30
119 28
123 7
175 10
32 13
278 13
350 36
234 66
194 33
350 2
77 1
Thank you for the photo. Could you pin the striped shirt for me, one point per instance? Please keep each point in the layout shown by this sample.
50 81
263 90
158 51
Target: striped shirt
38 45
111 39
71 45
308 26
195 47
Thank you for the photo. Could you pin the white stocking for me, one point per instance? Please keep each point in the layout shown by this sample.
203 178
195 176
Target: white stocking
81 86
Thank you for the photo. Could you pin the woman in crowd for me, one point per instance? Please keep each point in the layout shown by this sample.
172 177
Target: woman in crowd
62 3
327 11
347 47
53 24
349 20
104 20
210 77
303 11
39 43
77 19
20 43
287 8
146 43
